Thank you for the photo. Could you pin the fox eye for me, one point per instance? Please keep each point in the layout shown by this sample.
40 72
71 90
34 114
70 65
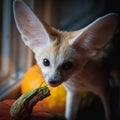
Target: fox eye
67 66
46 62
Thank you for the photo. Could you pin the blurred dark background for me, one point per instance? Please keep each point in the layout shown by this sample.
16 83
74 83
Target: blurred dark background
74 14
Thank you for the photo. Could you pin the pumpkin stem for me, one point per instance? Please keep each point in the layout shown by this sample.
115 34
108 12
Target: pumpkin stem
22 108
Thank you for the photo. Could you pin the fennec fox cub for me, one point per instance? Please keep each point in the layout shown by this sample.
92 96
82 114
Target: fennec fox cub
75 59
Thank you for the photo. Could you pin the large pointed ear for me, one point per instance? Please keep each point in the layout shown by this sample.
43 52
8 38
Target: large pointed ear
30 27
93 38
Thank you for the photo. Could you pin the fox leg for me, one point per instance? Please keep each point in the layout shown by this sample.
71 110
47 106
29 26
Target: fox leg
72 105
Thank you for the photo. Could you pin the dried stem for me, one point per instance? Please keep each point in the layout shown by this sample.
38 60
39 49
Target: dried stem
22 108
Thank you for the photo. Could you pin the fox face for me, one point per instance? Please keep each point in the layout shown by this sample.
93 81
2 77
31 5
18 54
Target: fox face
58 60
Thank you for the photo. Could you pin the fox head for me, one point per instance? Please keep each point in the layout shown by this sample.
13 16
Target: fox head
61 55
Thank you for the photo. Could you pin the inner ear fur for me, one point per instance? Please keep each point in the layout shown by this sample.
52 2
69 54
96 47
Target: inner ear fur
93 38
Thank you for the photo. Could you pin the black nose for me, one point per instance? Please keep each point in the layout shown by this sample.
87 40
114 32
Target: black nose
53 81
